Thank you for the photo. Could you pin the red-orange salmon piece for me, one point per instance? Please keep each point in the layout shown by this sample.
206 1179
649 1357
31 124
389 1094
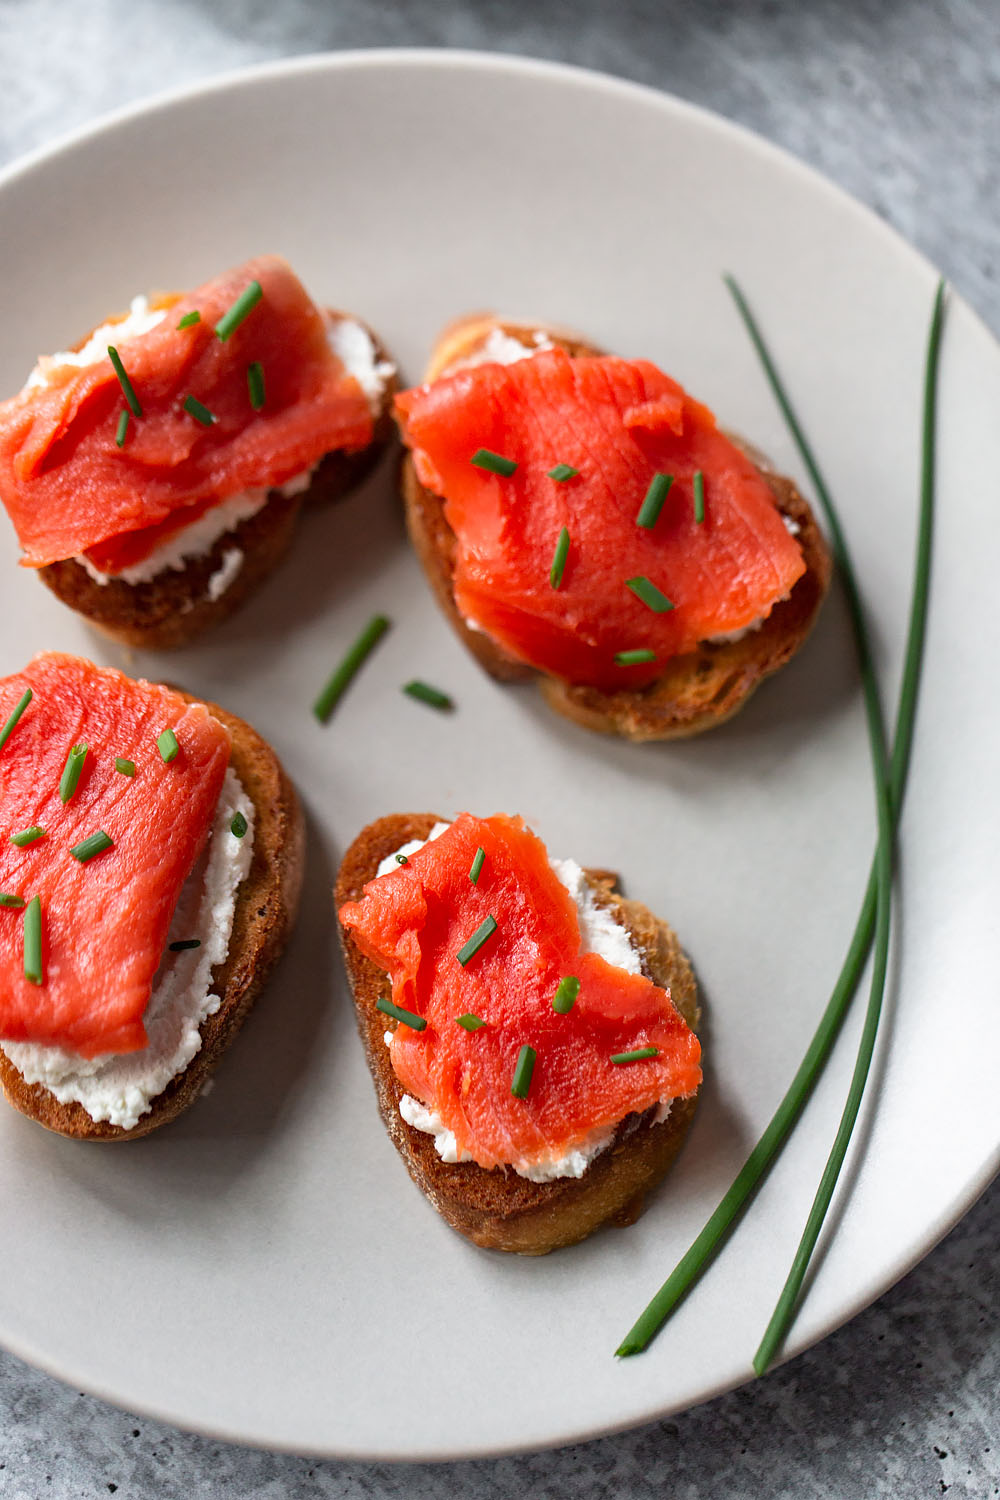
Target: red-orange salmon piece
68 487
619 423
104 922
413 922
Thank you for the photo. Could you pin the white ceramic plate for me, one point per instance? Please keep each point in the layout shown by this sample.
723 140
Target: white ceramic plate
264 1270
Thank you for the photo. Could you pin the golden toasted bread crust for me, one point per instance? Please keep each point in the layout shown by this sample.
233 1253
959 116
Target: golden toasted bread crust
696 691
265 911
497 1209
176 606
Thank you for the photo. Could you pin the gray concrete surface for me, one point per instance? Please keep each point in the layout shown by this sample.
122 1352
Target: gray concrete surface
899 101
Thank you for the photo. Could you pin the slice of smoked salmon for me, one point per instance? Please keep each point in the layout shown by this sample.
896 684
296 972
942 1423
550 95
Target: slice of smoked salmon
413 922
619 423
105 922
69 488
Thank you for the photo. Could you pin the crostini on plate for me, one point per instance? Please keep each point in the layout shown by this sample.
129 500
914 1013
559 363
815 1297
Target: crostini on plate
154 473
151 854
584 522
529 1032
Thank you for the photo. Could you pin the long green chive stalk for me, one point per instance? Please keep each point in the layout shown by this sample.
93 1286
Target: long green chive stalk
705 1247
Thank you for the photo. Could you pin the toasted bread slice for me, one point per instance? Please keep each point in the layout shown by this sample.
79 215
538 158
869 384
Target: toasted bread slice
498 1209
266 904
178 604
696 691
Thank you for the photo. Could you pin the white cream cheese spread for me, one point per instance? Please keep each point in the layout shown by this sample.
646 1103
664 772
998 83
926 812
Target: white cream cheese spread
355 348
601 934
120 1087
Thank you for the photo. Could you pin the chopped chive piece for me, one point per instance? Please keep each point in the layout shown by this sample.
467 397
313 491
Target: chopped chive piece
477 865
416 1023
183 944
190 319
565 996
33 941
651 596
241 308
632 658
95 844
255 384
559 560
427 694
71 771
7 900
401 859
562 472
239 825
124 767
122 428
342 675
482 934
167 745
11 724
649 510
521 1082
636 1056
470 1022
484 458
124 382
699 497
27 836
198 410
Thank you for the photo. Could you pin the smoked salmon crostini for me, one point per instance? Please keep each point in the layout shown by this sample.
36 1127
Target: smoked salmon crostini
584 522
154 473
529 1032
151 852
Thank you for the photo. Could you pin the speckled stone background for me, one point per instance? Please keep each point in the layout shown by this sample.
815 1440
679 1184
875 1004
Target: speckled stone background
899 101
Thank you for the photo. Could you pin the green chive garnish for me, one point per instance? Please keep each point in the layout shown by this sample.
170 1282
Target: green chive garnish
565 996
182 944
637 1055
198 410
482 934
427 694
477 865
365 643
244 304
559 559
11 724
239 825
562 472
33 941
167 745
95 844
27 836
632 658
721 1223
122 428
71 772
521 1082
190 319
483 458
699 497
416 1023
470 1022
124 382
255 384
124 767
651 596
649 510
6 900
401 859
